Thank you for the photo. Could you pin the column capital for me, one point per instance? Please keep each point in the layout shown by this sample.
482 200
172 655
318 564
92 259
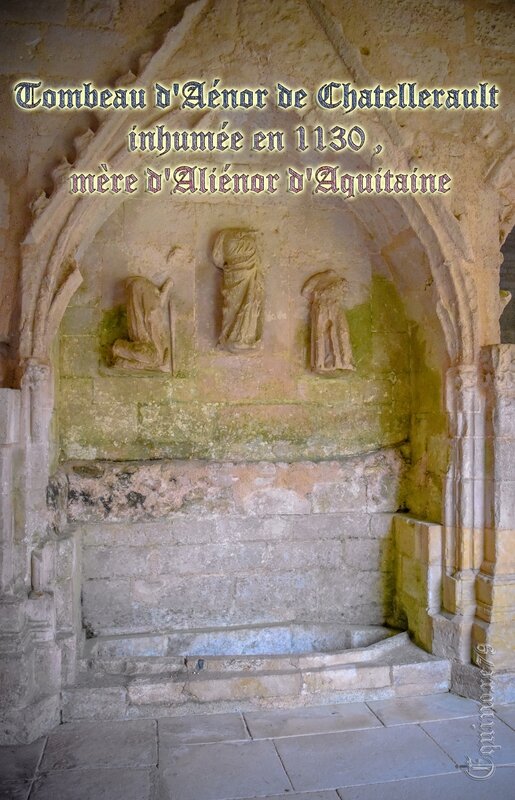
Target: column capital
497 363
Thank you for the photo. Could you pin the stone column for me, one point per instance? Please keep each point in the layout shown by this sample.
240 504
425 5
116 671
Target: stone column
10 435
463 514
30 663
495 586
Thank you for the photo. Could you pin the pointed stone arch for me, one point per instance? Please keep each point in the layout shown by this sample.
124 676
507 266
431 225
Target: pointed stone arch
64 224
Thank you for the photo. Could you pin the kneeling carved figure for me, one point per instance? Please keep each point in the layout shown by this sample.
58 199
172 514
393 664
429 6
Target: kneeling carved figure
149 346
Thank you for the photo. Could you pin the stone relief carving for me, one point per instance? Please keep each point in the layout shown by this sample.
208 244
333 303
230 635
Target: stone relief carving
235 253
149 346
331 349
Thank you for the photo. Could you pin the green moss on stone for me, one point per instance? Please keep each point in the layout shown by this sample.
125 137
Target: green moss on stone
392 396
113 326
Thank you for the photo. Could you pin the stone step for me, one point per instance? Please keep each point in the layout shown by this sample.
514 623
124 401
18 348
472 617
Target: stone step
99 659
257 640
166 689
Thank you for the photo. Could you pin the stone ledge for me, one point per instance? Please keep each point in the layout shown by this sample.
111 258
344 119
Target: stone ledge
141 490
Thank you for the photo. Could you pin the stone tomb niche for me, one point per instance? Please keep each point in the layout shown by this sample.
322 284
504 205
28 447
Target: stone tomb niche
172 548
233 481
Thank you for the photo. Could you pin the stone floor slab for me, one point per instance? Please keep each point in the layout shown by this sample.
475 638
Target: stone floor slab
331 794
201 729
19 762
314 719
14 790
428 708
358 757
89 744
97 784
222 771
461 738
457 786
507 714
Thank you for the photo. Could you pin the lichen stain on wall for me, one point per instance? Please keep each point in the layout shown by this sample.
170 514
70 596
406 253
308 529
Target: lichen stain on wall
219 405
137 416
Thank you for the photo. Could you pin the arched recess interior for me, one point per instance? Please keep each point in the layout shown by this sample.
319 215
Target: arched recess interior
64 224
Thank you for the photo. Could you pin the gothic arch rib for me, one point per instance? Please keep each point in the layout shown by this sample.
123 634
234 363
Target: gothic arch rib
438 230
50 275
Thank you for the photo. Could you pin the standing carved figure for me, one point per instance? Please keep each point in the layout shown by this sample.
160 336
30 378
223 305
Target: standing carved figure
235 252
148 320
330 341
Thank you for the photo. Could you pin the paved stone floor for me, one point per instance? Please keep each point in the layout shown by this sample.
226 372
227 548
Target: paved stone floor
407 749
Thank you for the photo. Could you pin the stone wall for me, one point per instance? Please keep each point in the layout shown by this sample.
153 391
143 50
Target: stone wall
418 576
260 405
195 544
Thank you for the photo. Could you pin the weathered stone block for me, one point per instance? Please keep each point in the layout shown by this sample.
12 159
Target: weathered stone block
346 678
381 525
80 321
363 554
39 609
334 497
26 724
429 543
499 548
66 559
16 680
146 691
140 389
341 589
271 597
382 492
495 592
410 578
503 418
223 558
157 489
504 504
452 636
432 588
69 646
6 469
106 606
494 28
66 613
252 686
181 601
428 671
101 702
9 416
116 562
187 429
47 669
79 356
303 556
275 501
423 629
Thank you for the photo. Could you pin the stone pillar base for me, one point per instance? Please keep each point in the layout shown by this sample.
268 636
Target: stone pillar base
452 636
25 725
468 681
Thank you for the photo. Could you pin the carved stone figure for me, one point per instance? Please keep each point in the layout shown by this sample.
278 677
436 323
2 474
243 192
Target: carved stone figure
235 252
330 341
149 346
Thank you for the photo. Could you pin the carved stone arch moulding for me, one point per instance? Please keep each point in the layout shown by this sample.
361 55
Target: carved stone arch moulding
65 224
501 177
